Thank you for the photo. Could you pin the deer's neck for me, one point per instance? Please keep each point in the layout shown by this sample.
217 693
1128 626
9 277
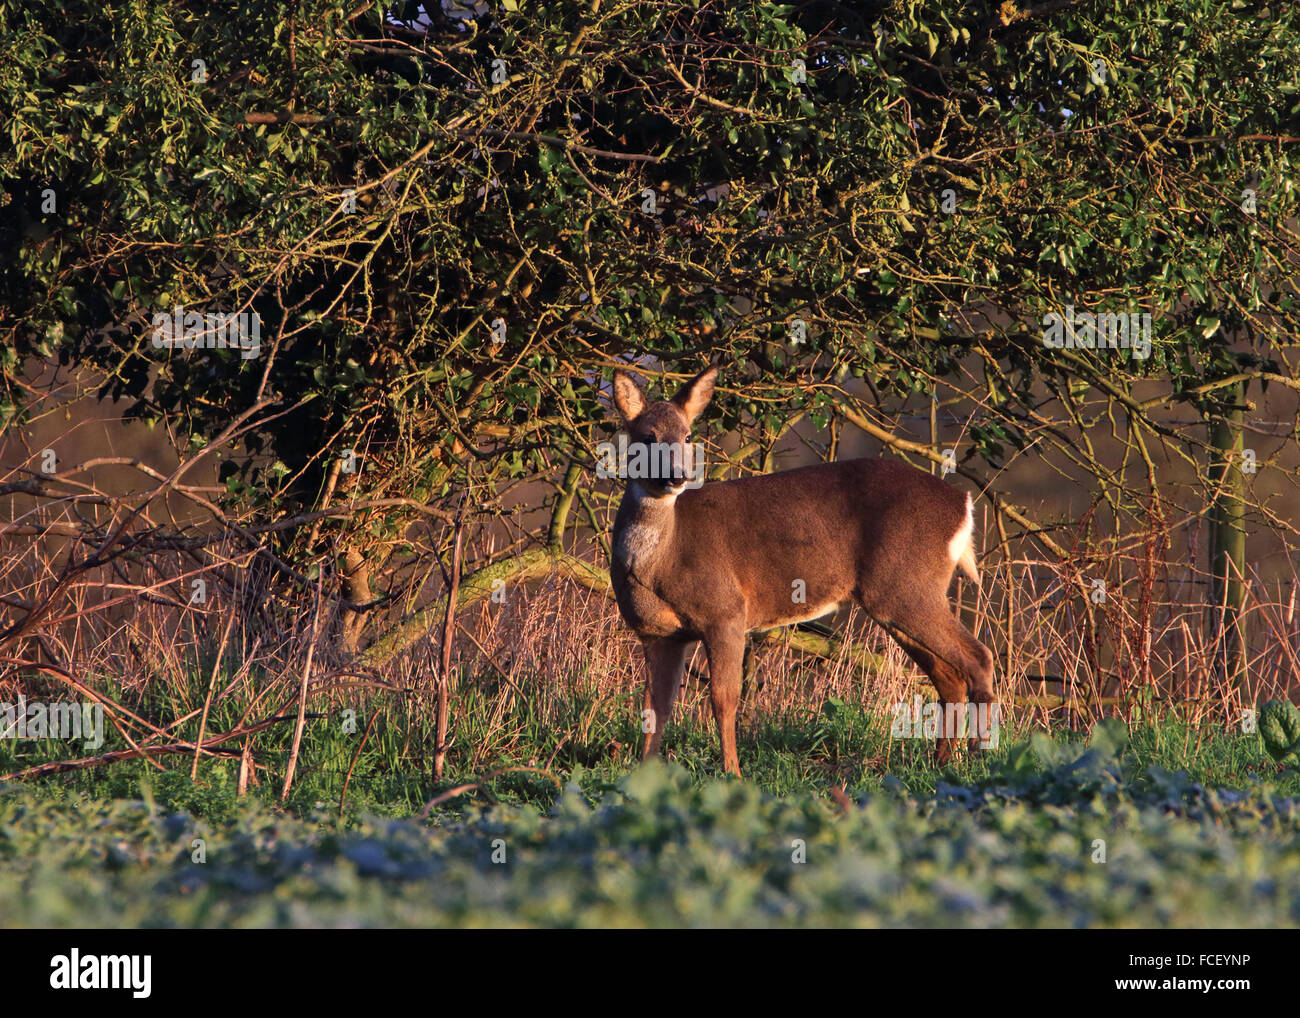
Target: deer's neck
643 530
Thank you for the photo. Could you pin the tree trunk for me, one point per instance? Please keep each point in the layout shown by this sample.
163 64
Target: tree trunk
356 590
1228 544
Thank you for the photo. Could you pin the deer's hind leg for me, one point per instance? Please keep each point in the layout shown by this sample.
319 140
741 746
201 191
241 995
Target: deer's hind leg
665 663
959 666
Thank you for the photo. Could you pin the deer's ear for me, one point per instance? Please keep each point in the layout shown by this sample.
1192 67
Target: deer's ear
695 394
628 396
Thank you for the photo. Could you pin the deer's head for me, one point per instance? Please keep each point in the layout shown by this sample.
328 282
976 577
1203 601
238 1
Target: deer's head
660 456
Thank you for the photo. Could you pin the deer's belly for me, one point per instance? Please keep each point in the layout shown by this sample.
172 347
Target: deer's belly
788 615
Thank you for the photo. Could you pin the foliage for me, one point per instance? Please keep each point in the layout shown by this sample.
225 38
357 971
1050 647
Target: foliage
661 849
799 157
1279 727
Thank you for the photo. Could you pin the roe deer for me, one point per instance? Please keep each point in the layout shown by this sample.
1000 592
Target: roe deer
718 561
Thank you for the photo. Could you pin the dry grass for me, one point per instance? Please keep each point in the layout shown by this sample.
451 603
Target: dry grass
127 632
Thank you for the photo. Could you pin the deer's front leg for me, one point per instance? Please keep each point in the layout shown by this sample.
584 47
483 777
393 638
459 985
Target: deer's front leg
665 660
726 649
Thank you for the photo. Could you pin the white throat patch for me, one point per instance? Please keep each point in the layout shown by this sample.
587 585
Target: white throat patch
638 541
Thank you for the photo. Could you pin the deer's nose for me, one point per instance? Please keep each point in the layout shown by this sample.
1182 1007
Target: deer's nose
681 468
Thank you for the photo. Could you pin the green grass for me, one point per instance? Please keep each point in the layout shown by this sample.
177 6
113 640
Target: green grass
1018 845
1200 827
803 752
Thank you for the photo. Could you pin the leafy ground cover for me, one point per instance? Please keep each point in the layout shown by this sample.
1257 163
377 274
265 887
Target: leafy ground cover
1053 834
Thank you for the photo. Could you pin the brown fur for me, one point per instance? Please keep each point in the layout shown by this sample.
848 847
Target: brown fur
716 562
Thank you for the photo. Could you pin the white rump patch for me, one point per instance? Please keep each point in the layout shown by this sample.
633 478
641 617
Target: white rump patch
961 541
